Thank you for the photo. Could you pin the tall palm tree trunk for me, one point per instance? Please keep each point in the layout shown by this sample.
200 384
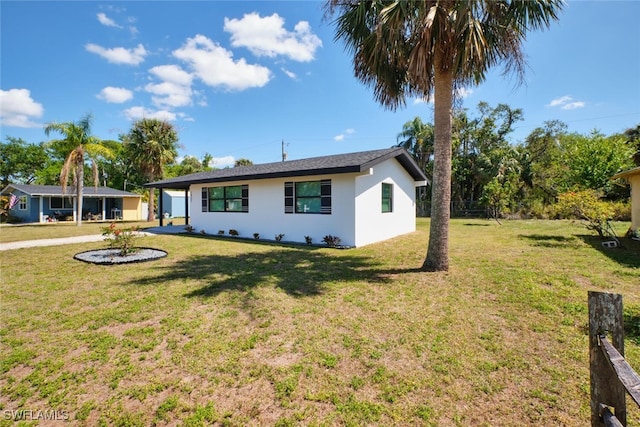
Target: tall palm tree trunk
438 250
79 189
151 212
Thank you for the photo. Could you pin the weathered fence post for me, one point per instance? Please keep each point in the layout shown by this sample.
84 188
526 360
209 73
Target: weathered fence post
605 317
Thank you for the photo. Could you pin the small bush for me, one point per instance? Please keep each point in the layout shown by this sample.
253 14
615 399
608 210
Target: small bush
233 232
203 232
189 229
587 206
120 238
220 232
256 236
308 240
279 237
331 241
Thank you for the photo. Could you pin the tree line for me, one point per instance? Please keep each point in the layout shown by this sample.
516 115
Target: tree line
493 176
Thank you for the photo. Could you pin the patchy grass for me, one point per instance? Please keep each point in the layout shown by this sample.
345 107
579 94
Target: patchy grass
236 333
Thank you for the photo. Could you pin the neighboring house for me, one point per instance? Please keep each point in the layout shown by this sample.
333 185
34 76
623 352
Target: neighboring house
43 203
174 203
361 198
633 178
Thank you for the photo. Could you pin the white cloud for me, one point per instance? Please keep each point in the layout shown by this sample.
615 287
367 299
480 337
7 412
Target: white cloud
222 162
115 95
106 21
343 135
566 103
136 113
290 74
215 66
573 105
172 73
463 92
18 109
175 90
119 55
268 37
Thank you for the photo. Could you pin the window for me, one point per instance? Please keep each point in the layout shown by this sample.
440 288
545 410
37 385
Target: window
226 199
313 197
60 203
387 197
22 203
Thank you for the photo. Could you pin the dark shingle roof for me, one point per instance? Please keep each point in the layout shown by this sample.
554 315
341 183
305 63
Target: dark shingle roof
56 190
326 165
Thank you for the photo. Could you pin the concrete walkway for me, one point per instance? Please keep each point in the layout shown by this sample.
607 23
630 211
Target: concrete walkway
172 229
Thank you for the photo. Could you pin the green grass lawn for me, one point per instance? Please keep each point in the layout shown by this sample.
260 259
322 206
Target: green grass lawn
15 233
251 333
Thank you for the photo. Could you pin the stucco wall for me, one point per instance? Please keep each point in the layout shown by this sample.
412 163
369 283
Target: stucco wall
266 212
131 208
634 181
373 225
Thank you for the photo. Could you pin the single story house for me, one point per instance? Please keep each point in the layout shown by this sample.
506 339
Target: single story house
361 198
632 176
43 203
174 203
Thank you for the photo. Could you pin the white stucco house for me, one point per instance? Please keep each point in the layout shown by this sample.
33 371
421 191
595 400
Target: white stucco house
361 198
632 176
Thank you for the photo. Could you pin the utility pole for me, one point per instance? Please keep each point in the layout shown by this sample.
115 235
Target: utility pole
284 153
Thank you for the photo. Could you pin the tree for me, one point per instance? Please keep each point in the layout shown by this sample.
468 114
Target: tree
151 144
417 138
591 160
80 146
633 139
20 161
243 162
430 48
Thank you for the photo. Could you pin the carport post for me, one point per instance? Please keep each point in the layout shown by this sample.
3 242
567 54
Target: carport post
186 206
160 206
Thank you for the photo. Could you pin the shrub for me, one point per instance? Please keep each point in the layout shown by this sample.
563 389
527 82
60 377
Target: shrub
308 240
120 238
279 237
233 232
189 229
220 231
587 206
331 241
256 236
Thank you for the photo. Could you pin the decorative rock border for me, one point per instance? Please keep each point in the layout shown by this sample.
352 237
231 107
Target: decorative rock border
112 256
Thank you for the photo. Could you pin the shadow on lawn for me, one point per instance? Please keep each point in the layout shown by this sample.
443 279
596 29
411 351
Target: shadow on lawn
299 272
628 255
547 241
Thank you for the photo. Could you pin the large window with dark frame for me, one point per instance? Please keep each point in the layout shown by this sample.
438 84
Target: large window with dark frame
387 197
232 198
64 203
308 197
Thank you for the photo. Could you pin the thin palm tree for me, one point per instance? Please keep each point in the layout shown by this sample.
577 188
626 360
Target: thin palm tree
81 146
151 144
430 48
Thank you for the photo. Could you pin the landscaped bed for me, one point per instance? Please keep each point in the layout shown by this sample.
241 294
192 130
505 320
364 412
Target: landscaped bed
247 333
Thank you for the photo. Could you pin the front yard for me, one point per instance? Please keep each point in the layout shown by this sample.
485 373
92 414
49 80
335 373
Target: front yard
250 333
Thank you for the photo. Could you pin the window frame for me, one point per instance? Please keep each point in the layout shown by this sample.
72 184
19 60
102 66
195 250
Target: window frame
227 199
23 203
388 199
62 207
292 197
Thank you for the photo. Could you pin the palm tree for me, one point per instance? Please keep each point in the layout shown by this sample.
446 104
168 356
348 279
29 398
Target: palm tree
151 144
430 48
417 138
80 145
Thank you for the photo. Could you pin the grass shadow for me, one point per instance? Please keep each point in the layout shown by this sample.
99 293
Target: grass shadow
547 241
297 271
628 255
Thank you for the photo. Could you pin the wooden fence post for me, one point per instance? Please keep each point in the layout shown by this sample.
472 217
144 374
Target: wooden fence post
605 318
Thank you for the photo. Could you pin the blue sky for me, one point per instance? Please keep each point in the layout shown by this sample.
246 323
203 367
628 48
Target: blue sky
237 78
